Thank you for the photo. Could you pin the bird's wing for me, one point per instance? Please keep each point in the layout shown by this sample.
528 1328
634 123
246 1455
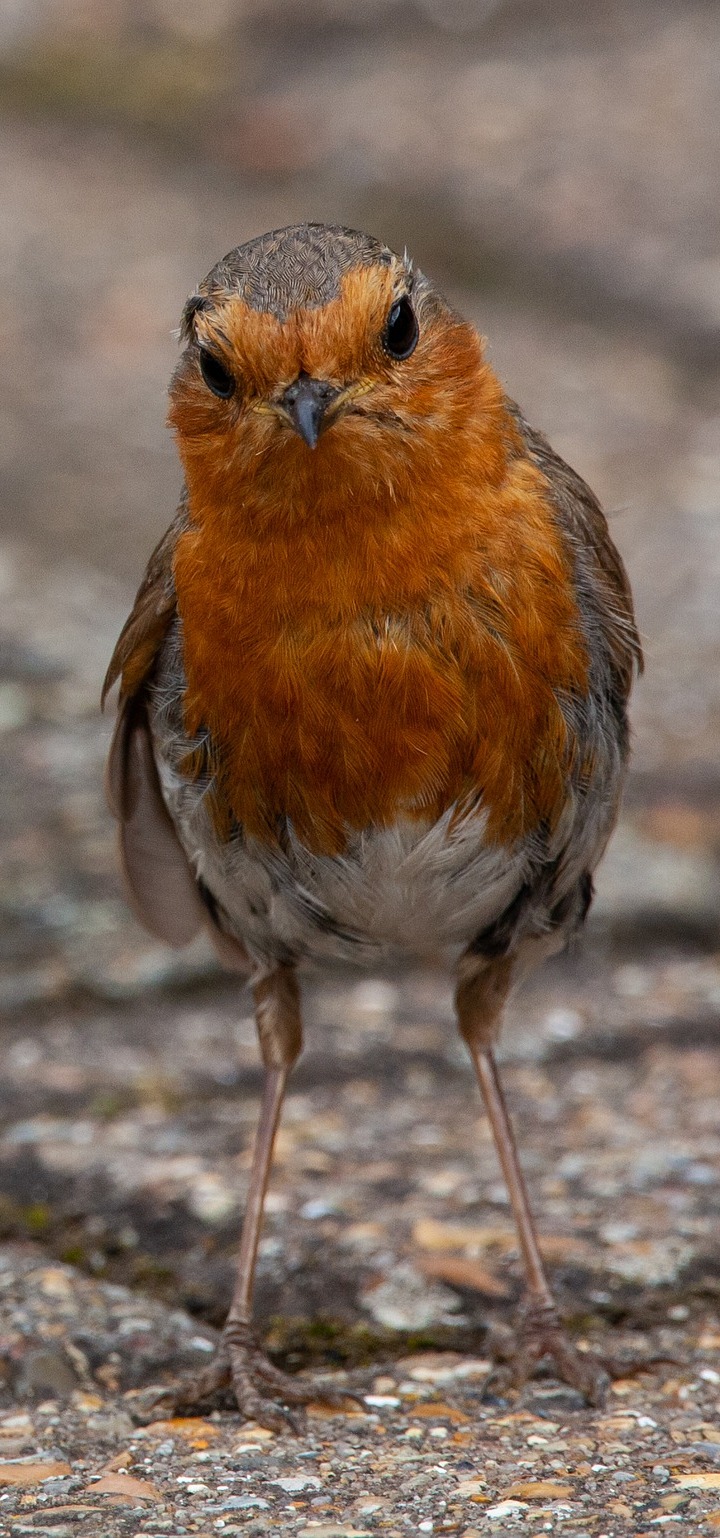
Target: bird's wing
160 884
558 893
605 589
150 617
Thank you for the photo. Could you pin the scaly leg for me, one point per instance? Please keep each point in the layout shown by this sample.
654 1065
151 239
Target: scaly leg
263 1393
479 1001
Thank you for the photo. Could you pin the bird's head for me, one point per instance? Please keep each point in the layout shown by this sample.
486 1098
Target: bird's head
316 356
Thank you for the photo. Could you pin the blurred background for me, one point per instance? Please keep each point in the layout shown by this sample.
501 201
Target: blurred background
557 168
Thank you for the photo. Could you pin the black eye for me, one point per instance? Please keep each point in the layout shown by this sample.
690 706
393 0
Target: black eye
401 332
215 374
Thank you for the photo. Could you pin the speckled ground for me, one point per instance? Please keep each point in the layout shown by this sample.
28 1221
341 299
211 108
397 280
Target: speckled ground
430 1451
388 1258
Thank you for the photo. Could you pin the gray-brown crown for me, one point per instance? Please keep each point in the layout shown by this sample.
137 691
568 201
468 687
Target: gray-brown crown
299 267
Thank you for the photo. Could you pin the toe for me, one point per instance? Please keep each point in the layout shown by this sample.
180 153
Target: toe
580 1371
295 1391
255 1406
189 1393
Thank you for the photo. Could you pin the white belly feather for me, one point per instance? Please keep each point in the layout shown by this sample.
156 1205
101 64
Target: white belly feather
415 889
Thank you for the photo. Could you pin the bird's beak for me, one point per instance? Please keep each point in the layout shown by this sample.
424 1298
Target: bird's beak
305 403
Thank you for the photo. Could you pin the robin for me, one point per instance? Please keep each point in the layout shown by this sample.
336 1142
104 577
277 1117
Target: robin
373 688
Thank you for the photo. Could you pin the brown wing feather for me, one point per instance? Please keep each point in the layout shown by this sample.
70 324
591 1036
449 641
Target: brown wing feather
161 887
160 884
587 530
151 615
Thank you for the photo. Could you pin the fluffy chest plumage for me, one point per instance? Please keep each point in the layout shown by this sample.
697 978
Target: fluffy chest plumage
386 665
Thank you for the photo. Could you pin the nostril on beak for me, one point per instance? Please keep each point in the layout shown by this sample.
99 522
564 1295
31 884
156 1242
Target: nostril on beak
306 400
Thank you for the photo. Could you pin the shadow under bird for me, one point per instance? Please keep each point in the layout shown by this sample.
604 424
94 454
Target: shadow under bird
373 688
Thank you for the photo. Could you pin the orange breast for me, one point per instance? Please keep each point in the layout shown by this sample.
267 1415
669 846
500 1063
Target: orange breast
373 654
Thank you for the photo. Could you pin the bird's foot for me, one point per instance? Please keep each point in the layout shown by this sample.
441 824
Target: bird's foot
241 1374
541 1334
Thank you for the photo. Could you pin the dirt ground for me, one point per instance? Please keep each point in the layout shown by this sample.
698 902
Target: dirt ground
559 176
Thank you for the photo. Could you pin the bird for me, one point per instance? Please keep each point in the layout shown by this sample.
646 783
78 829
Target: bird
372 692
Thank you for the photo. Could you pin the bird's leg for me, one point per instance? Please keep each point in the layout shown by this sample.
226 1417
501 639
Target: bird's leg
481 994
241 1366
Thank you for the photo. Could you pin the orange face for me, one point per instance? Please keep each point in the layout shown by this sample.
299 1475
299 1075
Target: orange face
383 413
381 625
